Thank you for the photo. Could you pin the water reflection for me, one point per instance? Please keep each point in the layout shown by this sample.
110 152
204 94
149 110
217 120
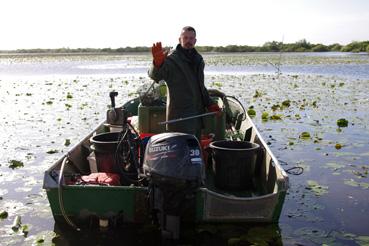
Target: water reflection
206 234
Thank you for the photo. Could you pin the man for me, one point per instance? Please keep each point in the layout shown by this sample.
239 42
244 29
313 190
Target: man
183 71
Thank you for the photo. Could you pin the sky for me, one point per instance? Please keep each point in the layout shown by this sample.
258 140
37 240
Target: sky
27 24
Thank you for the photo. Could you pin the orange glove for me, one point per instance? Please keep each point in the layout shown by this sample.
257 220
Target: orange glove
215 108
158 54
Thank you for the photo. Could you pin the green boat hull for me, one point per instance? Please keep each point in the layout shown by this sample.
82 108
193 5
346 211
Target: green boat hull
129 204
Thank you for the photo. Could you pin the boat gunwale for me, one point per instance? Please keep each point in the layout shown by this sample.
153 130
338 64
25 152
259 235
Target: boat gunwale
274 161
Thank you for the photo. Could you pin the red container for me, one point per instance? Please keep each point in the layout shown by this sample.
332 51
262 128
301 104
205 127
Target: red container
144 135
111 179
105 146
205 141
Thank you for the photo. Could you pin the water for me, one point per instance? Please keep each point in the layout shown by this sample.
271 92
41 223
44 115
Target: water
48 101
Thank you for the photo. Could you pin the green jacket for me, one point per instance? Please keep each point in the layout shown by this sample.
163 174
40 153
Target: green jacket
187 95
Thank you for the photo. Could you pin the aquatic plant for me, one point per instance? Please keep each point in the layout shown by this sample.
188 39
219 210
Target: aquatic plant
264 116
3 214
342 122
67 142
251 112
305 135
276 117
318 189
286 103
13 164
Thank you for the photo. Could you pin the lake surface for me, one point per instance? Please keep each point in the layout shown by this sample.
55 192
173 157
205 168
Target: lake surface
48 101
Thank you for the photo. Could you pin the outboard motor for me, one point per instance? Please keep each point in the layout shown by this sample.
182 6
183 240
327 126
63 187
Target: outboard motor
174 167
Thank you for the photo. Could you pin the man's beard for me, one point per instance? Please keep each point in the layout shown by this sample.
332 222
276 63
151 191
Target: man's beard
188 46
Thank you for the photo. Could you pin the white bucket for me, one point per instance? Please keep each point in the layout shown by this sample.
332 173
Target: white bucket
115 128
92 162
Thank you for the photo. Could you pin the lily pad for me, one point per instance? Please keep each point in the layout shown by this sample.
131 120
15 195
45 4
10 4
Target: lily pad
334 166
338 146
286 103
67 142
342 122
362 240
264 116
52 151
305 135
276 117
251 112
318 189
3 214
13 164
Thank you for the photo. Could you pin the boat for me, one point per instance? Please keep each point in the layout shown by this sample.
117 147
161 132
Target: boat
229 176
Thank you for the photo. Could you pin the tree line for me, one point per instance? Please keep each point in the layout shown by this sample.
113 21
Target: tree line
273 46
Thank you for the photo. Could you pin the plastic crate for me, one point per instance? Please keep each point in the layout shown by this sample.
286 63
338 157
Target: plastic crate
149 117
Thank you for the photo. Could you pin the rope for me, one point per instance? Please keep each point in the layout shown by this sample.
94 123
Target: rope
60 196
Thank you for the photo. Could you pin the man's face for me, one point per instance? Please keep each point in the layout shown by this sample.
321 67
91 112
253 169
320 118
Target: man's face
187 39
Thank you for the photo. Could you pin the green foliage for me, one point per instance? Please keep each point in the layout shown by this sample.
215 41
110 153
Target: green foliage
319 48
13 164
67 142
286 103
52 151
258 94
251 112
272 46
342 122
3 214
356 47
276 117
305 135
335 47
264 116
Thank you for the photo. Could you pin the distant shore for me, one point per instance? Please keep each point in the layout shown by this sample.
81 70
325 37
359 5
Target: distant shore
274 46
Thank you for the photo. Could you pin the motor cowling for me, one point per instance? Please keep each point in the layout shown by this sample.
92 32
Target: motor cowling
174 168
174 157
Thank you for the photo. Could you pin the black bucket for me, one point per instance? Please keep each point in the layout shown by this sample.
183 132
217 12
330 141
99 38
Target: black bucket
234 164
105 146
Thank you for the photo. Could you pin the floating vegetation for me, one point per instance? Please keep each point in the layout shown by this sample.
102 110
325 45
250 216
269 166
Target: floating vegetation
276 117
305 135
3 214
362 172
52 151
362 240
338 146
69 95
251 112
286 103
13 164
342 122
334 166
352 182
68 106
67 142
217 84
25 230
318 189
315 235
258 94
275 107
265 116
